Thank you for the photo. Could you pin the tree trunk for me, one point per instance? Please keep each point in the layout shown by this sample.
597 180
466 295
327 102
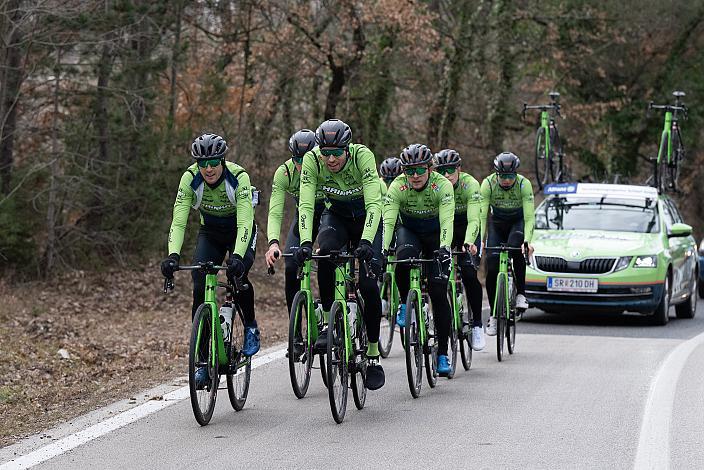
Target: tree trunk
101 102
502 25
52 210
175 57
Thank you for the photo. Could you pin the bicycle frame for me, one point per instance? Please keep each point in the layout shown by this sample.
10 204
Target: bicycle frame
415 278
666 134
312 327
503 272
545 123
456 305
395 296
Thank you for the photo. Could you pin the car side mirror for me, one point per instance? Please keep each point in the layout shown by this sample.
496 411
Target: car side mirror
680 230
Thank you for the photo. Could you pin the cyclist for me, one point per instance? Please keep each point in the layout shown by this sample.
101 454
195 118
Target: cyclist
466 233
510 197
347 174
389 170
426 203
222 193
287 179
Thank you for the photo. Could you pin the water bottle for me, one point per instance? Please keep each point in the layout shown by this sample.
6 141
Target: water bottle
319 313
226 320
352 312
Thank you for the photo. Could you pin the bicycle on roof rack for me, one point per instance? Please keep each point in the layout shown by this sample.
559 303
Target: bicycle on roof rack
549 158
671 153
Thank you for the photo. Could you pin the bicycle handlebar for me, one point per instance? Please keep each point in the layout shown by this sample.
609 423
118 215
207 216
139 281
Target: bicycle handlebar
504 247
541 107
209 268
668 107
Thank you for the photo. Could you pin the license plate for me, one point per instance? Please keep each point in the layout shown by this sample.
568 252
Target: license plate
571 284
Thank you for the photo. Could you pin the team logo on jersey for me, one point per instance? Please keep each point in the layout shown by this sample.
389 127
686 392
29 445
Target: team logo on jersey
434 186
403 187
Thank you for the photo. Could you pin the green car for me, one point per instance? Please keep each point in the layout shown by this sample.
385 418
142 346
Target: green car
613 248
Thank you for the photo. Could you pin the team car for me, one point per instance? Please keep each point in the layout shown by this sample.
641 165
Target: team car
612 248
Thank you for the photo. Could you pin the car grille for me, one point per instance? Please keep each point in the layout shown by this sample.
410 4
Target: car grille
554 264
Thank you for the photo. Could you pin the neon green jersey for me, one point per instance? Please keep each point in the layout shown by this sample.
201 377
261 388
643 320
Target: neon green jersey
352 192
227 205
468 205
430 210
287 180
383 188
508 204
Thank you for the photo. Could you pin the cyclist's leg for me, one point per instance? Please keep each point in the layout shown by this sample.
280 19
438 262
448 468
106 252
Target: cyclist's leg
438 294
333 236
519 262
469 275
407 246
369 287
293 241
245 299
210 246
498 233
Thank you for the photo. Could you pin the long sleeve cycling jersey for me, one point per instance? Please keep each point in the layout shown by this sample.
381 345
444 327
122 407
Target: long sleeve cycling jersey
430 210
227 205
287 180
352 192
508 205
468 205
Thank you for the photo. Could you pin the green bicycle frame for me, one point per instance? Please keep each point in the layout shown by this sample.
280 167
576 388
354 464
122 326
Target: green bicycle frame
666 134
415 285
217 344
545 125
395 296
342 276
456 306
503 272
312 327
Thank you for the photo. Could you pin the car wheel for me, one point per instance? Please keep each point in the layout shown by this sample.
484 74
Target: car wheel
661 315
688 308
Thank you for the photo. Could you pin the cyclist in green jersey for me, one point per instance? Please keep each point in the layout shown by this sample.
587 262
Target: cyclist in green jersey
287 179
510 197
466 233
222 193
425 202
346 173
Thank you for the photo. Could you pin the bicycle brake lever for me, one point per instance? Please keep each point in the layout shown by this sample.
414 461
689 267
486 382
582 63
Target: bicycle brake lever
271 271
168 285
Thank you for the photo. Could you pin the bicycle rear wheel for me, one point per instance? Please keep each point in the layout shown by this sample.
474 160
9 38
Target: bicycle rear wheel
359 373
240 371
557 168
388 316
413 348
300 351
337 371
542 159
200 354
430 348
663 180
500 309
677 157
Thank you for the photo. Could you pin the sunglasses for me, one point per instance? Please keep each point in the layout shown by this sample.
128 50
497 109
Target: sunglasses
507 176
446 170
206 163
337 153
298 160
418 170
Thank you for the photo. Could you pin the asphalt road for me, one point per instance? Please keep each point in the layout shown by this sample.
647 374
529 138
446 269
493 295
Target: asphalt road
573 396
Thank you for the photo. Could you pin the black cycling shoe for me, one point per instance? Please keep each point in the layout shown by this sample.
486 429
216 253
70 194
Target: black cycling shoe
321 344
375 378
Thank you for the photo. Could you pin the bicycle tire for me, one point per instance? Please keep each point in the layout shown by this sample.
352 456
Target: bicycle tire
662 164
336 363
359 375
388 317
238 383
323 369
413 349
203 321
541 159
430 349
677 157
465 332
511 322
557 168
500 317
453 339
299 368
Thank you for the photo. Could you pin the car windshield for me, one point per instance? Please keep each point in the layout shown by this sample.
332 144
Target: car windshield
608 214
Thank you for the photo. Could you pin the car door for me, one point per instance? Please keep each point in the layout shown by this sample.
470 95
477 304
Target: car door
678 250
689 249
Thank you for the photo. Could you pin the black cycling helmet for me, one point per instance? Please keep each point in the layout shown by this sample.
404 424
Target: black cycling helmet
301 142
208 147
416 154
506 162
333 133
447 157
390 168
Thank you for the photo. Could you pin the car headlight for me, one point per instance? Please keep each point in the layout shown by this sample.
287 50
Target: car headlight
650 261
623 263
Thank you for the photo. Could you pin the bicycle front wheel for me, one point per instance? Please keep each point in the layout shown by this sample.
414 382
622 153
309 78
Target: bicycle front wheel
677 157
542 159
500 311
511 321
200 357
240 370
388 316
337 371
359 371
300 351
413 347
430 348
455 331
465 333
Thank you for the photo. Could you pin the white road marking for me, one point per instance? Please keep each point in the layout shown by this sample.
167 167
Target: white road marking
130 416
654 443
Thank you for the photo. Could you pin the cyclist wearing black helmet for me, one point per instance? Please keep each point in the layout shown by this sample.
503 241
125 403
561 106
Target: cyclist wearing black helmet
222 193
466 233
510 197
389 169
426 204
287 179
346 173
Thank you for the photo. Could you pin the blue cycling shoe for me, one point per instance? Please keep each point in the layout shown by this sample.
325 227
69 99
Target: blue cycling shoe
202 378
401 316
443 365
251 341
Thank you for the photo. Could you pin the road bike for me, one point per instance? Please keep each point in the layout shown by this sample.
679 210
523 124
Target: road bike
214 347
461 327
671 149
549 158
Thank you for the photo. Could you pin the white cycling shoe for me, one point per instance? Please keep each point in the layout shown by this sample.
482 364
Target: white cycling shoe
491 327
521 302
478 341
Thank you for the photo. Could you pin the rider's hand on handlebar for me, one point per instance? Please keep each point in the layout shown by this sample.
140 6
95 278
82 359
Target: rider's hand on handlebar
169 265
272 254
364 251
235 267
303 253
530 249
444 257
471 248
